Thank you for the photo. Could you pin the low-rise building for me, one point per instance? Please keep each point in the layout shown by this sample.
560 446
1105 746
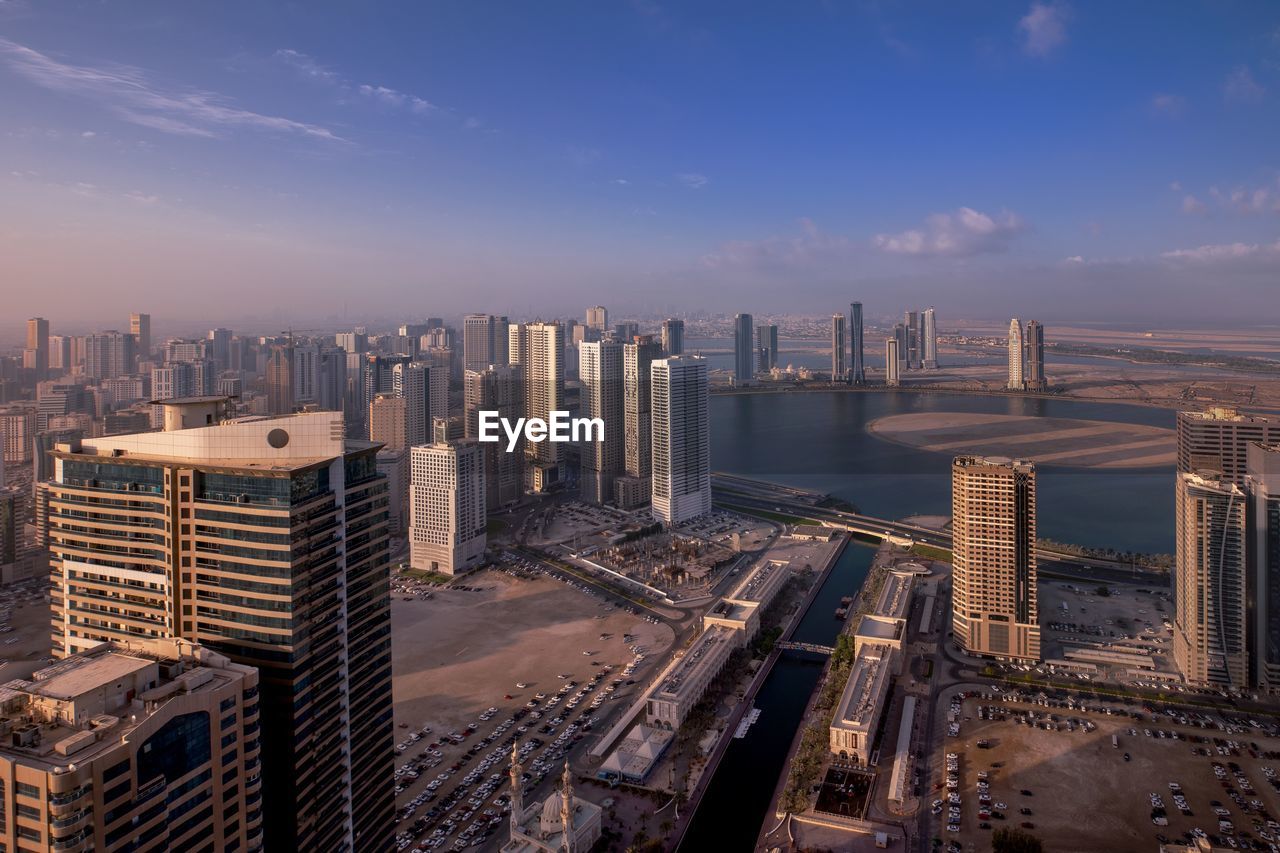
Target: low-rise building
853 727
685 680
152 746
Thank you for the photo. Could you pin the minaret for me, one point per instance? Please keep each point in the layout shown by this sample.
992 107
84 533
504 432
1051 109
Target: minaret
566 808
517 798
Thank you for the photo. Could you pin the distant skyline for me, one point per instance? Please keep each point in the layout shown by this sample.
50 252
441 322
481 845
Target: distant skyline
298 164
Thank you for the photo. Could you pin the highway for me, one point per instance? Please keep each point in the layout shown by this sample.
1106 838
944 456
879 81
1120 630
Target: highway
753 494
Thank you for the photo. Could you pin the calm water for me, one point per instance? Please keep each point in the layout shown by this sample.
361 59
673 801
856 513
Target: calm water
819 441
734 805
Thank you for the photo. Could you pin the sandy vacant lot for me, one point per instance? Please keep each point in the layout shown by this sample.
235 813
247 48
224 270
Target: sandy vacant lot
1051 441
1085 797
460 652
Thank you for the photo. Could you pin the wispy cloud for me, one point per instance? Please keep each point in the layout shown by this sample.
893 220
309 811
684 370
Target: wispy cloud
1167 104
130 94
1241 87
1220 252
963 233
141 197
1044 28
693 180
1242 200
312 69
393 98
811 247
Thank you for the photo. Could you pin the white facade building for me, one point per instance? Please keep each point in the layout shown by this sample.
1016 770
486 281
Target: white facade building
681 439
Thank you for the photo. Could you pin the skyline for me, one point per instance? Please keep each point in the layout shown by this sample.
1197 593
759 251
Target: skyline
643 155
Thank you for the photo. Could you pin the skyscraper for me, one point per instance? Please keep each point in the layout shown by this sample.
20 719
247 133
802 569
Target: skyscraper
108 355
1262 491
993 542
543 375
280 562
140 328
857 367
38 347
672 337
220 347
484 341
892 361
767 348
600 372
388 418
1016 356
280 380
598 319
1217 441
911 350
743 350
425 390
497 389
929 339
626 330
1210 638
839 373
634 487
681 439
1034 343
447 516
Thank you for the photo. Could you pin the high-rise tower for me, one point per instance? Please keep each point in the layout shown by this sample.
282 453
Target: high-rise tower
600 372
1034 343
857 367
839 373
993 541
1016 356
681 439
264 539
743 338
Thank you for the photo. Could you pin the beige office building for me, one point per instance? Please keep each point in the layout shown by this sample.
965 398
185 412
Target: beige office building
993 535
264 539
152 745
447 516
1210 635
388 421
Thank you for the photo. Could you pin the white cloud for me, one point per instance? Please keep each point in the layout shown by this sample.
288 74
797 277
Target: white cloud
693 180
308 66
1248 200
385 95
1176 186
1216 252
133 97
1191 204
88 134
393 98
1044 28
473 123
1168 105
141 197
963 233
1240 86
620 181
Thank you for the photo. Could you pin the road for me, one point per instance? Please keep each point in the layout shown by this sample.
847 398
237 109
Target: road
784 500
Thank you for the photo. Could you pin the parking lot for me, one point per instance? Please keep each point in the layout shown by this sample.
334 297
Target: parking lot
1081 778
1123 635
511 657
25 644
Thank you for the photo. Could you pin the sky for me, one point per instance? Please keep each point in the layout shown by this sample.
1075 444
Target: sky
263 162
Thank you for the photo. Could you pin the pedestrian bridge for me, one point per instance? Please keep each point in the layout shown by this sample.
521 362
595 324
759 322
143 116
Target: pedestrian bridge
806 647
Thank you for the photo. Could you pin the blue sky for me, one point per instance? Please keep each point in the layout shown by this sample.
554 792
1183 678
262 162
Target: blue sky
362 160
